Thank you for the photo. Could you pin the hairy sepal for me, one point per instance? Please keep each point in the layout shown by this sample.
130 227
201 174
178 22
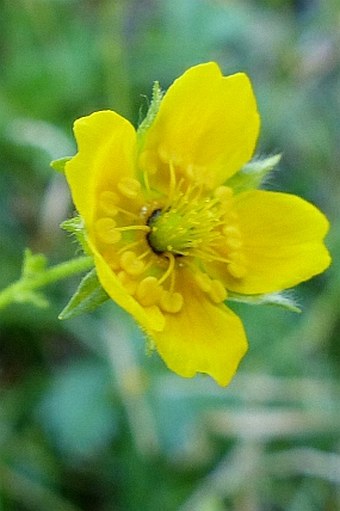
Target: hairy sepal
88 297
253 174
282 300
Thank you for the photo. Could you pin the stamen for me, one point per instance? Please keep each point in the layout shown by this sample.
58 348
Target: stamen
131 264
172 281
231 230
234 243
110 256
128 213
223 193
237 270
217 291
129 187
211 256
203 281
108 202
170 268
146 180
107 231
148 291
127 282
144 254
171 302
233 237
144 228
172 185
129 246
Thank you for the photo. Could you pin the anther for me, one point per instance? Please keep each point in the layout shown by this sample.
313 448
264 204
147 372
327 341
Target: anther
231 230
171 302
127 282
203 281
148 291
234 243
147 161
106 230
108 202
111 257
223 193
129 187
237 270
131 264
217 292
163 153
190 172
233 237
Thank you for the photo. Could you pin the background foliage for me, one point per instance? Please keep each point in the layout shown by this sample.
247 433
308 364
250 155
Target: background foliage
87 420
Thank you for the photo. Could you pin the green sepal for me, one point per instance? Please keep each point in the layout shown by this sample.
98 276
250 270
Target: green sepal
87 297
252 175
157 95
278 299
76 227
59 165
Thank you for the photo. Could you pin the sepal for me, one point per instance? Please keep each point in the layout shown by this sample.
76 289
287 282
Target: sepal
253 174
87 297
157 95
76 227
282 300
59 165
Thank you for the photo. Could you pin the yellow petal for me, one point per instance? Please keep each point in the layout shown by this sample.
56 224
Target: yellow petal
106 145
283 241
207 125
202 337
149 318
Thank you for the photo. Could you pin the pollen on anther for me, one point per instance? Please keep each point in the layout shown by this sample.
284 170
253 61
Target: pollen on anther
217 292
203 281
237 270
233 238
171 302
108 202
131 264
127 282
148 291
106 230
223 193
129 187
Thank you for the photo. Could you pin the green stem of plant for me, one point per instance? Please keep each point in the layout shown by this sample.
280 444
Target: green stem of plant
48 276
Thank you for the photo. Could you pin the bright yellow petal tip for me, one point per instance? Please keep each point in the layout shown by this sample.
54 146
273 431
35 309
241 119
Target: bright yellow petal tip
207 124
168 234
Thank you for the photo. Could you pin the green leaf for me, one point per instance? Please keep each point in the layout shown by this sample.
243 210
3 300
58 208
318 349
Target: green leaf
59 165
277 299
87 298
252 175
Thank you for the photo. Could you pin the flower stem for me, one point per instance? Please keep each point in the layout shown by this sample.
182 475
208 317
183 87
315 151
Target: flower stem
17 291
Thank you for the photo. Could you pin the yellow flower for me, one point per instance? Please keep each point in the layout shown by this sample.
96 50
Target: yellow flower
169 236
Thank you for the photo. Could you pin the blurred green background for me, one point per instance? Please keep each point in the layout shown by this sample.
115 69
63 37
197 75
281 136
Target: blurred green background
87 420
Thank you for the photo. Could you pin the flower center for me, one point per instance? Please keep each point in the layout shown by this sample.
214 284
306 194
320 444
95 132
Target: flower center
147 243
170 232
188 225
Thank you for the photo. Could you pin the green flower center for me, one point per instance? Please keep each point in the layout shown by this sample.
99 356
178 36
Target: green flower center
186 226
170 232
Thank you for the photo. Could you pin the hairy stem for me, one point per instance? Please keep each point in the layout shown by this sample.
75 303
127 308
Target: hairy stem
41 279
